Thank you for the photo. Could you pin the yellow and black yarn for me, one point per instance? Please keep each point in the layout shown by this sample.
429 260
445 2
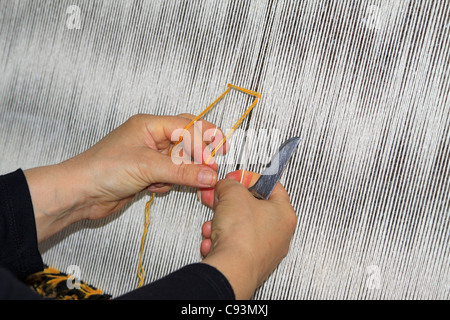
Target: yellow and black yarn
52 283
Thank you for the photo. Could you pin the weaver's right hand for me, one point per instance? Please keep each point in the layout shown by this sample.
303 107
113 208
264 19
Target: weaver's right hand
247 238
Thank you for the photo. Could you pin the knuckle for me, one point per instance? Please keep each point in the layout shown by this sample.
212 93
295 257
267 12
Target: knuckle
136 119
231 188
186 115
182 172
291 219
285 251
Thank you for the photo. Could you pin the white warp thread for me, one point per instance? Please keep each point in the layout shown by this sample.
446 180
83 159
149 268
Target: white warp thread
365 85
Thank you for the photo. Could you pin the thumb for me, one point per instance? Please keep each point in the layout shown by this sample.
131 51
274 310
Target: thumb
228 189
165 170
208 196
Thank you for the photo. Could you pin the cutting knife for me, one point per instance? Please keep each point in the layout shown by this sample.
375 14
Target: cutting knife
263 188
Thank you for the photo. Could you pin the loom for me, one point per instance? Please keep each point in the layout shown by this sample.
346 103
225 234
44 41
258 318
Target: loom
364 84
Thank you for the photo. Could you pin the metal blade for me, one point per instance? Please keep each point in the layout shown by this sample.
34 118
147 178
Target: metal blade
266 183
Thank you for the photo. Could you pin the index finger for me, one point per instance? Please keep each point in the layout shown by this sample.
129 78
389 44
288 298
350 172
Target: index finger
248 179
188 141
211 133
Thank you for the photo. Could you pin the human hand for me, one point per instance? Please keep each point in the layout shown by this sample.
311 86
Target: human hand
132 158
247 238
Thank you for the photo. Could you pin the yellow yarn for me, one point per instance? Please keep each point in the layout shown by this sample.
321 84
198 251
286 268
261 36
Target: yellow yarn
246 113
141 271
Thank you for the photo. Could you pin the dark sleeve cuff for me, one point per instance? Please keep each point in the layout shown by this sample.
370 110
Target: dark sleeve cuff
18 238
197 281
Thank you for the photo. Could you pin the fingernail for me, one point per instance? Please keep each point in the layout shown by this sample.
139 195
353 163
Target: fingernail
207 177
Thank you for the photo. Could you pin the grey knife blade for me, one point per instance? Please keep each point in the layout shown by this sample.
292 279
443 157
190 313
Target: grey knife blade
263 188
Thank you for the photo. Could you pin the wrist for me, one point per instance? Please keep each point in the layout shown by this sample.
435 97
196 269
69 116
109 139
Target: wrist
56 198
239 270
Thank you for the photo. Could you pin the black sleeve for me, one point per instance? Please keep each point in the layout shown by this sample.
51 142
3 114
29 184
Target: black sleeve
18 239
19 254
20 257
197 281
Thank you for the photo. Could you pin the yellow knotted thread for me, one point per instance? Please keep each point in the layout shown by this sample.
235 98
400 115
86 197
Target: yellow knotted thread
141 271
244 115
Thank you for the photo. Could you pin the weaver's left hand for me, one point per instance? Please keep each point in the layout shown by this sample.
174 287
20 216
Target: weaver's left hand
132 158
